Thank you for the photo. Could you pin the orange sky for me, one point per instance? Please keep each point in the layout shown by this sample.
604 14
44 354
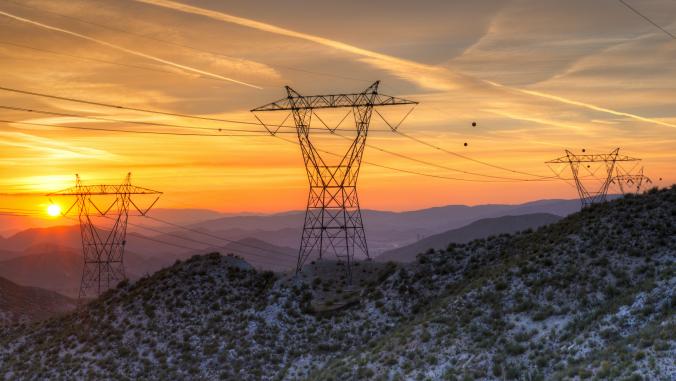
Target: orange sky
537 77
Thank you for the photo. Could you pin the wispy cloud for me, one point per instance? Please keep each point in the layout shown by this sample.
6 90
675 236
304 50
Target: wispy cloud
129 51
428 76
51 149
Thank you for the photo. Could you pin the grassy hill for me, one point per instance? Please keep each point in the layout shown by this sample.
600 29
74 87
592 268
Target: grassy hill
591 296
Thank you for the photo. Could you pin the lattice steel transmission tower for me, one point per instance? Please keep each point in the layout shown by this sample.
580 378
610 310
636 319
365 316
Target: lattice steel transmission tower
625 179
333 220
103 211
610 160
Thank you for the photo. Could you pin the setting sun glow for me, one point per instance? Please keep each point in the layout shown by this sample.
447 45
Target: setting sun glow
53 210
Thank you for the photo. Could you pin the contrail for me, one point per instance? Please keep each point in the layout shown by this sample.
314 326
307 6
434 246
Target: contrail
596 108
427 75
386 60
123 49
584 105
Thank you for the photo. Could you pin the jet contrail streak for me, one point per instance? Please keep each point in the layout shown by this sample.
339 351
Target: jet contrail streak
220 16
596 108
391 63
129 51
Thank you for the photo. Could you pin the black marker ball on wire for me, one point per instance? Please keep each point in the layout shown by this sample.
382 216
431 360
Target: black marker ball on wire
465 144
473 124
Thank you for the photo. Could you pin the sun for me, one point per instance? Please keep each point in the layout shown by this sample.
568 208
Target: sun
53 210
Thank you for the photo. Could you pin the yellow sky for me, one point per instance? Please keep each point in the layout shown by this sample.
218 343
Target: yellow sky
537 78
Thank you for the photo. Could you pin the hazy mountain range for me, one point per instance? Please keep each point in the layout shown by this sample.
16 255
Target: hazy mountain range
49 257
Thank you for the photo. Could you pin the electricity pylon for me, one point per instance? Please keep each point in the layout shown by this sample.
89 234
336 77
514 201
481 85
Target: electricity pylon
103 211
333 220
610 160
635 181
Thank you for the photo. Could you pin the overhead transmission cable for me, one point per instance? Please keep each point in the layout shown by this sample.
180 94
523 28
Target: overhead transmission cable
234 242
658 26
467 157
208 245
107 119
121 131
442 166
143 110
94 103
232 135
412 172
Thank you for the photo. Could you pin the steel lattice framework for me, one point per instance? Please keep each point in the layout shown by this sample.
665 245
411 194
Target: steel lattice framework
630 180
610 160
333 220
103 247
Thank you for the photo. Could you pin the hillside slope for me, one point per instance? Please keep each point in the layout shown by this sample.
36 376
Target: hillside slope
589 296
479 229
19 304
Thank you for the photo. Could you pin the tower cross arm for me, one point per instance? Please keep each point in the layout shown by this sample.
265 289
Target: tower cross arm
333 101
104 189
591 158
631 177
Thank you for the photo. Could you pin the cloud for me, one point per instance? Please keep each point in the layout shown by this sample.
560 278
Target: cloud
428 76
51 149
129 51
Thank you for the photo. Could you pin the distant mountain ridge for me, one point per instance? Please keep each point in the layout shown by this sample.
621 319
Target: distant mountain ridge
59 265
20 304
478 229
385 230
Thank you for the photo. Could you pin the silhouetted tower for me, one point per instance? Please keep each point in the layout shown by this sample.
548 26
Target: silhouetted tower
333 221
588 197
630 183
103 211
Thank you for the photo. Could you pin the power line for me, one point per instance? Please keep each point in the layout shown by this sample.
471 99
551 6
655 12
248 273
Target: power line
647 19
236 242
131 121
124 131
442 166
436 147
231 135
403 170
255 123
108 119
192 249
101 104
197 134
467 157
505 179
262 258
148 111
